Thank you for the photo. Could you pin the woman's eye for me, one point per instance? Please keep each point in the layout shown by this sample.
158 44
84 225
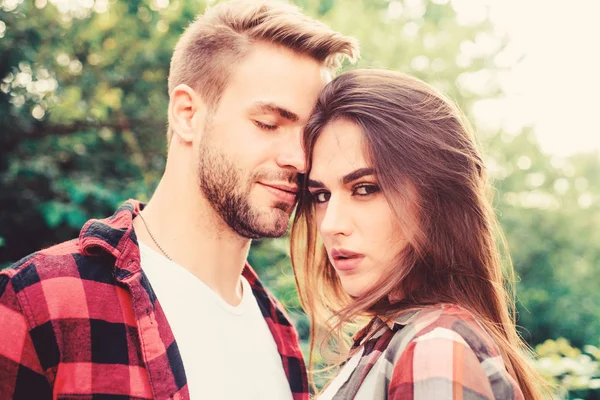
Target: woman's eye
321 197
365 190
264 126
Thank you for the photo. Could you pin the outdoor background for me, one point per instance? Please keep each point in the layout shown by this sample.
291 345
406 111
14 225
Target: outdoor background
83 101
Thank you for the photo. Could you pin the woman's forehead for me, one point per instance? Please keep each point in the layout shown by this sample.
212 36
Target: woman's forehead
338 150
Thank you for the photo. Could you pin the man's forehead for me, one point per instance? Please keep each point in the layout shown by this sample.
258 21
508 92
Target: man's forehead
292 81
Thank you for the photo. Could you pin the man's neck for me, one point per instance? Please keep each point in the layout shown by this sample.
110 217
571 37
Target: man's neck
189 230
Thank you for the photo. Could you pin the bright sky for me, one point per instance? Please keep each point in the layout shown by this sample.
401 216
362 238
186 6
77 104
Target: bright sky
555 87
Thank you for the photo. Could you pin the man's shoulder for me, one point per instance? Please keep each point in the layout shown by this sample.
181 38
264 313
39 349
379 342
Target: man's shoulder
64 261
47 258
90 256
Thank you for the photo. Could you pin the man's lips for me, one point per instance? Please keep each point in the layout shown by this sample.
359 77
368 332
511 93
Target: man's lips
284 193
286 188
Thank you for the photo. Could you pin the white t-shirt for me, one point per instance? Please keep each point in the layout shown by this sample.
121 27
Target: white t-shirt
228 352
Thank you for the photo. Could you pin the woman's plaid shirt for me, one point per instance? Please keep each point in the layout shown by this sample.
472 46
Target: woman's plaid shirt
439 352
80 321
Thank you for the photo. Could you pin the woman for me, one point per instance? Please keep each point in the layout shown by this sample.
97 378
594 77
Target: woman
398 195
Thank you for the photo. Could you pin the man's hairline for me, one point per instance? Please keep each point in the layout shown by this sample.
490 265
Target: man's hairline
327 73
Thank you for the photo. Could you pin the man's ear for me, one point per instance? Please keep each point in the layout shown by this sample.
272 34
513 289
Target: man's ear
183 106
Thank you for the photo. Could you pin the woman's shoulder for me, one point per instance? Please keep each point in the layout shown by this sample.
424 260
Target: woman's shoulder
452 322
445 345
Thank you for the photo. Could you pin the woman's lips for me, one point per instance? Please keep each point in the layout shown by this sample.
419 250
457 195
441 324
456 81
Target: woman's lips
345 260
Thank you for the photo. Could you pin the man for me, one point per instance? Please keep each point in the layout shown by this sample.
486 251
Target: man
158 301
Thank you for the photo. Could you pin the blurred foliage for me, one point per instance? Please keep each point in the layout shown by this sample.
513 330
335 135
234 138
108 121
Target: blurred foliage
575 373
83 100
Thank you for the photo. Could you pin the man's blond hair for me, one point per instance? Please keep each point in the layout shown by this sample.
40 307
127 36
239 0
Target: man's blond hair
217 40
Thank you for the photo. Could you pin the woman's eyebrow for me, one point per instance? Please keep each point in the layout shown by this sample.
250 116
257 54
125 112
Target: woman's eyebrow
315 184
352 176
359 173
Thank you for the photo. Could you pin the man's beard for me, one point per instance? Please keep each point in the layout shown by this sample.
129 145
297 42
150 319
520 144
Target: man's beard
222 184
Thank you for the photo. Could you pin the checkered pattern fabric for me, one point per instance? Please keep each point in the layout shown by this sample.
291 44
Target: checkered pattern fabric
80 321
437 352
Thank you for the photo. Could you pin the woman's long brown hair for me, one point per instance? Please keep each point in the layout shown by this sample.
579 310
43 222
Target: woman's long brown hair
429 168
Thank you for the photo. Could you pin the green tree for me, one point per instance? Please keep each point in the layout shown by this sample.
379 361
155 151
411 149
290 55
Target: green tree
83 109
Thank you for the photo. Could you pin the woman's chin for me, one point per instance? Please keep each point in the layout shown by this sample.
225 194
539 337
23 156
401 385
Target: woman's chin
354 287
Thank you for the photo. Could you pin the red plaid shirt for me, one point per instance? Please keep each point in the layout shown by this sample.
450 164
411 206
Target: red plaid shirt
80 321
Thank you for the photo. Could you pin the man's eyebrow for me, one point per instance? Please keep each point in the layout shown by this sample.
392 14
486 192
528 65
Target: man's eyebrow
352 176
274 108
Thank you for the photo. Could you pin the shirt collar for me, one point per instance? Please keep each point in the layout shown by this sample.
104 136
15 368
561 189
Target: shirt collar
115 235
380 323
402 318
